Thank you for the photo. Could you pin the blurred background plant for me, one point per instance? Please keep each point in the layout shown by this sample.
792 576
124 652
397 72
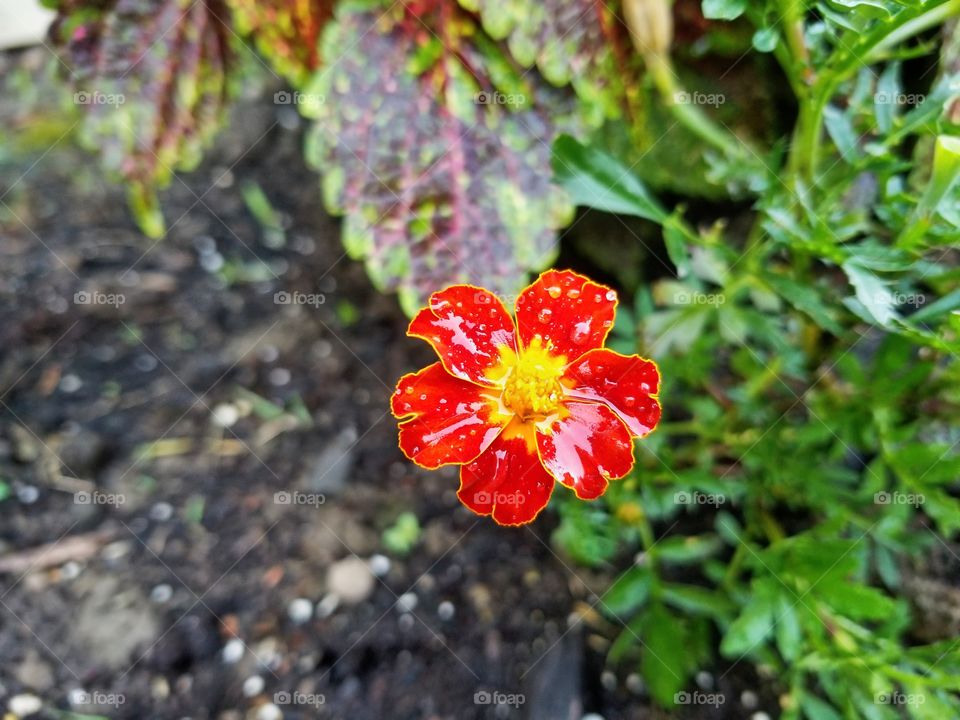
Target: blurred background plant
780 184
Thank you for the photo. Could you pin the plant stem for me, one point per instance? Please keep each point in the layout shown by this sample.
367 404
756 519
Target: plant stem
664 78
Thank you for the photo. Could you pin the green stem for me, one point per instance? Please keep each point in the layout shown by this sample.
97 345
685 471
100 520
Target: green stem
689 115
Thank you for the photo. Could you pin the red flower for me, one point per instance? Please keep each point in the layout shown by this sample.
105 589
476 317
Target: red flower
520 407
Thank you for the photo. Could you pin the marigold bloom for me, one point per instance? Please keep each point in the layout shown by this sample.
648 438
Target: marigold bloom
522 406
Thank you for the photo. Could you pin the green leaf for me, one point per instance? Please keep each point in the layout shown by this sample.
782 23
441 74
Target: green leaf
580 42
687 549
841 131
806 299
286 32
751 628
153 80
723 9
696 600
789 634
628 593
443 173
816 709
676 244
662 657
400 537
872 292
765 39
595 179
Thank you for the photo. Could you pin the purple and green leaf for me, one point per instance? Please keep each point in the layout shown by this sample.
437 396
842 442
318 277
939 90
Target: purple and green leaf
436 148
583 43
152 80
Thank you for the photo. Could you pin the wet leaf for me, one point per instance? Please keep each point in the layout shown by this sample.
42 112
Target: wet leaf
152 81
441 166
580 42
286 32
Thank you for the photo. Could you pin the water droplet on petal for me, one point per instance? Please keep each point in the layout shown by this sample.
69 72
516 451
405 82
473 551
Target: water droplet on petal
409 390
611 295
545 315
573 293
629 401
553 291
423 396
607 323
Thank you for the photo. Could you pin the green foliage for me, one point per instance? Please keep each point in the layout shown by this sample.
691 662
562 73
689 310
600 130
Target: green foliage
811 386
400 537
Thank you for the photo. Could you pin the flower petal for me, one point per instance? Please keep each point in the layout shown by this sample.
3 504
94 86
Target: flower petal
568 311
586 448
451 418
508 479
467 326
627 384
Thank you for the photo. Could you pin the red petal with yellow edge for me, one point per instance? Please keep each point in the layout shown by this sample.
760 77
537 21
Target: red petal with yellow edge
586 448
569 312
508 480
467 326
450 420
627 384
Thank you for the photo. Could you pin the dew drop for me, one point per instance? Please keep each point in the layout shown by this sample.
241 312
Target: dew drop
423 396
629 401
607 323
611 295
573 293
544 315
553 291
580 333
409 390
597 298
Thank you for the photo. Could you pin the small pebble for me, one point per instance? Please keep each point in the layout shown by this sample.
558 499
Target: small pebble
211 262
406 622
70 383
28 494
23 705
749 700
233 651
161 512
268 353
704 680
161 593
351 579
327 605
145 362
635 684
115 550
70 570
608 680
300 610
226 415
379 565
159 688
446 611
253 686
279 376
269 712
407 602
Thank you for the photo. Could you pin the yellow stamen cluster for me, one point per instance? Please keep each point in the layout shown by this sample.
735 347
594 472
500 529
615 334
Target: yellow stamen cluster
532 389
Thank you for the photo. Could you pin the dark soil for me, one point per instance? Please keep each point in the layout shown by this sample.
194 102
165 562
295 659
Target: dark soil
145 601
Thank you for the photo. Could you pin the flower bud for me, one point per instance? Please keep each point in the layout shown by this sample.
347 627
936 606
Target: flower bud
650 23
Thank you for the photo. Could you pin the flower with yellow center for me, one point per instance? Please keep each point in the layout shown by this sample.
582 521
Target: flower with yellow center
524 404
